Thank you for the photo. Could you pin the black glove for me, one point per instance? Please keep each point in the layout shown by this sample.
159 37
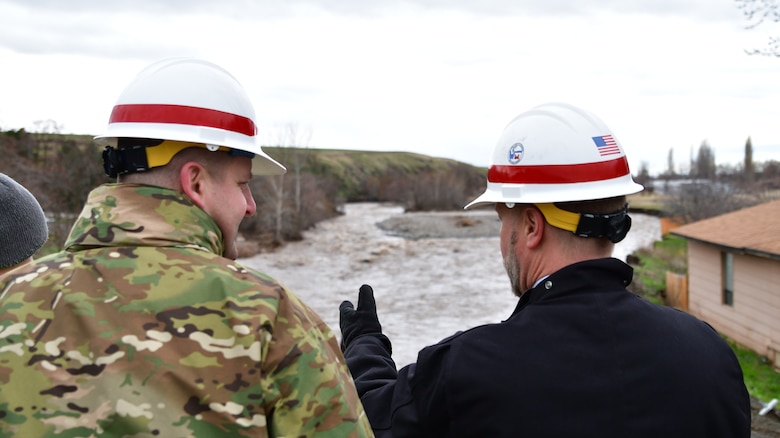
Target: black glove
363 321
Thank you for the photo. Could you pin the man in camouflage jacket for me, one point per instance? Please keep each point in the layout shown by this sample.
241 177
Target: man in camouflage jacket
141 327
144 325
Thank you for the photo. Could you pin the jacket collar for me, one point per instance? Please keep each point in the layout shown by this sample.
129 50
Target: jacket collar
137 215
606 275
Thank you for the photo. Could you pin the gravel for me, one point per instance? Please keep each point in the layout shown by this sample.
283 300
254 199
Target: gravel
414 226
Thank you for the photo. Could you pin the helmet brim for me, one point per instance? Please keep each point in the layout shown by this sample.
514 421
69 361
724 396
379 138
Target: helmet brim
547 193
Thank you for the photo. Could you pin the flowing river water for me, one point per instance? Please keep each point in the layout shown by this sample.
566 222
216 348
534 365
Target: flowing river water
426 288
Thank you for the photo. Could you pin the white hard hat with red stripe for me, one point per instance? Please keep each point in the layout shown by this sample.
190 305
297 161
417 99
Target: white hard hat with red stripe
556 153
189 102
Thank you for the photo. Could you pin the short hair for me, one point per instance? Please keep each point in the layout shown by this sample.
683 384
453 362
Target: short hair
167 175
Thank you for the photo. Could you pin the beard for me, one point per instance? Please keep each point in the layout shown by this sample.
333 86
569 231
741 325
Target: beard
512 267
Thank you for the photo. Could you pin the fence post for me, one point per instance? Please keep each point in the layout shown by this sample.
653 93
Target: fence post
677 290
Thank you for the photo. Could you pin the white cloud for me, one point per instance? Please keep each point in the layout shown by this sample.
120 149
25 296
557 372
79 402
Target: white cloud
435 77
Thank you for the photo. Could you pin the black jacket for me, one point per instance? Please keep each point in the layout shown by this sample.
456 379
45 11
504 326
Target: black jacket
579 357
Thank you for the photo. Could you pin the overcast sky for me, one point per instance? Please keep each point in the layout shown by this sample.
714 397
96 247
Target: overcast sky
437 77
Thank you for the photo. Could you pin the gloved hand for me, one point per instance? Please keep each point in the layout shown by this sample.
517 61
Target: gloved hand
363 321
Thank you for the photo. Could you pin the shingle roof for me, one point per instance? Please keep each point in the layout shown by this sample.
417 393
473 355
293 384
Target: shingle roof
753 230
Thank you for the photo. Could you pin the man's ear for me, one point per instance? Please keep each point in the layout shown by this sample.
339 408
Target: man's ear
192 178
533 226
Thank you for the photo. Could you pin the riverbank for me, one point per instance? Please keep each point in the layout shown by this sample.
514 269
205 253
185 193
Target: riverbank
448 261
433 260
477 223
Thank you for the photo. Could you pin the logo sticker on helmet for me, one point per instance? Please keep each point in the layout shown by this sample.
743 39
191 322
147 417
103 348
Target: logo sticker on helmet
515 153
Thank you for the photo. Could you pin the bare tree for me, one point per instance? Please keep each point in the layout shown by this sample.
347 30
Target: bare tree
703 199
770 174
277 183
643 177
758 12
292 143
45 136
300 140
749 169
670 172
705 162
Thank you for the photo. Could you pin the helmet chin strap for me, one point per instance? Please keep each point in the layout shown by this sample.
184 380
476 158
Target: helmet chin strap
613 226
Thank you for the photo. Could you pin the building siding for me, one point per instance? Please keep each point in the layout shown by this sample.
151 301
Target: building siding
754 319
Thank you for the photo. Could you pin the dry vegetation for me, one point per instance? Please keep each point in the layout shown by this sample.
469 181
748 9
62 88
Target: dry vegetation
60 170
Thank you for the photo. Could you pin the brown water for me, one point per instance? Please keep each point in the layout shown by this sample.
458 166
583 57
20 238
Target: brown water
425 289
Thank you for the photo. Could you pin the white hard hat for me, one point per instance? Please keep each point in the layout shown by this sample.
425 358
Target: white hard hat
191 101
556 153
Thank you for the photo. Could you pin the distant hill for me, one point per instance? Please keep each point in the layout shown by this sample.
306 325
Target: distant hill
60 170
355 171
350 169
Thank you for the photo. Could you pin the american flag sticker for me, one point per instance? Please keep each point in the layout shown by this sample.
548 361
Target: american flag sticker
606 145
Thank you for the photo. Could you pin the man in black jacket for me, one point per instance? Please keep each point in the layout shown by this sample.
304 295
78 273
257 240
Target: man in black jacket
580 355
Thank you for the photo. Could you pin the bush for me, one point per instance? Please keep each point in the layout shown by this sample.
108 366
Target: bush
666 255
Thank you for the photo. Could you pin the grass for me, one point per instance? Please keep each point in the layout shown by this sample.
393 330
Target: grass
644 201
761 379
667 254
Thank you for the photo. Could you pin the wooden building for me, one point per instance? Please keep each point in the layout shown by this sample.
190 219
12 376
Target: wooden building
734 275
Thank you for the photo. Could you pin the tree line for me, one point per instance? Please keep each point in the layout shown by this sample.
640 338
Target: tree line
707 189
60 170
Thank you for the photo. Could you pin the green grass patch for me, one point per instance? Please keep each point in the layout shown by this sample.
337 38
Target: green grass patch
666 255
761 380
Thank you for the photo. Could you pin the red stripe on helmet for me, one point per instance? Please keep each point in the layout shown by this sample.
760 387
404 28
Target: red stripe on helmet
182 115
559 173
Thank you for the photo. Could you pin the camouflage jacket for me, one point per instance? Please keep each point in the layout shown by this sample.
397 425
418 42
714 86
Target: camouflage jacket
140 328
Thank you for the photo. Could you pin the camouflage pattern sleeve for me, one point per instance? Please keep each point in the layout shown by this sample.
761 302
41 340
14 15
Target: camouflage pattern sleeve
309 384
141 328
168 342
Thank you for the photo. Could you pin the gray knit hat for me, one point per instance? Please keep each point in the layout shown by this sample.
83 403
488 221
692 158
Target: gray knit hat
23 229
